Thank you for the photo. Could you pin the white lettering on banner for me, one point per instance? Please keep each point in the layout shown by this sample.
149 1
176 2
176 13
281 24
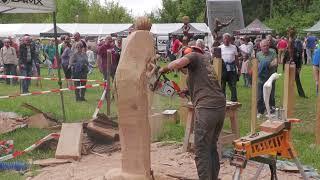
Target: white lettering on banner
44 5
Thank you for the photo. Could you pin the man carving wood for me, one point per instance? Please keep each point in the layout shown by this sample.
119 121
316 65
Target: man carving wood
209 104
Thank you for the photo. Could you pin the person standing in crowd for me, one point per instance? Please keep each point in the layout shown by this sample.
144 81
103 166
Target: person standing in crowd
297 59
229 54
102 56
282 48
268 63
61 45
77 38
305 57
316 63
118 45
209 105
65 58
272 43
79 67
14 45
245 70
91 59
311 42
200 44
256 47
175 46
117 53
246 48
27 58
9 60
50 54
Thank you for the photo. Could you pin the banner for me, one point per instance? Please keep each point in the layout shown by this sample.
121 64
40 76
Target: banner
27 6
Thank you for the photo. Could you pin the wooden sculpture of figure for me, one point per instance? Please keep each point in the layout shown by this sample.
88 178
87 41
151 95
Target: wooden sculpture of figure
291 34
218 25
186 27
133 106
267 87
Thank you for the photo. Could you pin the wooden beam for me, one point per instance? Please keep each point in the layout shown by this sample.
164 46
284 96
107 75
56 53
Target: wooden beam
217 65
318 119
254 92
183 111
289 93
70 141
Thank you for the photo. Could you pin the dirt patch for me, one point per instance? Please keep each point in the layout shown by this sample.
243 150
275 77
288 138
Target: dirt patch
167 159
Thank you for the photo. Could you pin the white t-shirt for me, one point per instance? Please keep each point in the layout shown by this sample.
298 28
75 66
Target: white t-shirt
228 53
246 49
90 55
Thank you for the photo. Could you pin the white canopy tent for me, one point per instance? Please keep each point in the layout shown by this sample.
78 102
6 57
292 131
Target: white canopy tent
84 29
92 29
36 6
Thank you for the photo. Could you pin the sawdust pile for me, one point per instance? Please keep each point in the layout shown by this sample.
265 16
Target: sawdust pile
167 159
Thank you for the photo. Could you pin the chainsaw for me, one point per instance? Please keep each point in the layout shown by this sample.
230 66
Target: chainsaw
162 85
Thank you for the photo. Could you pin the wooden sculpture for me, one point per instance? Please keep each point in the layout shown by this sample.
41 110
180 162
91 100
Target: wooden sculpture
133 106
218 26
267 87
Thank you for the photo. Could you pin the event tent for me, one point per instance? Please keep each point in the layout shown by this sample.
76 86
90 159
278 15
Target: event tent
93 29
315 28
50 33
254 28
166 29
192 30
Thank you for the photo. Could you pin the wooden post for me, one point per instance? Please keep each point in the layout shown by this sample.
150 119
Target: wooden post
318 119
254 91
217 65
289 93
109 58
183 111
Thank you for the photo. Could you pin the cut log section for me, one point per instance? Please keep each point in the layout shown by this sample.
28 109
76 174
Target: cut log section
70 141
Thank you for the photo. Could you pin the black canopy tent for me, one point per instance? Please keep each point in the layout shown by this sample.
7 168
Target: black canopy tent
194 31
256 27
50 33
37 6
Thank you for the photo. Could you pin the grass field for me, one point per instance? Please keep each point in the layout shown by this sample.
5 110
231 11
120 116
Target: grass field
303 133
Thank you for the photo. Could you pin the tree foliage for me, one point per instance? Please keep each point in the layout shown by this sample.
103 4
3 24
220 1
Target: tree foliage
281 14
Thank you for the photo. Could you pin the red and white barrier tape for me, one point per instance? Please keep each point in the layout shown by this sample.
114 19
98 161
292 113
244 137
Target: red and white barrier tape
43 78
32 147
100 103
71 88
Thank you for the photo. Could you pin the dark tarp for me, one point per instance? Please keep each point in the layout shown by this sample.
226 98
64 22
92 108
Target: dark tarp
254 28
50 33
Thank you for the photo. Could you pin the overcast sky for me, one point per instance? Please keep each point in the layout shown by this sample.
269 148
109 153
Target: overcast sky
138 7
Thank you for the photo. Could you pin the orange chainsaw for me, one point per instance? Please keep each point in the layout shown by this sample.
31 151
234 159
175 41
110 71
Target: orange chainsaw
162 85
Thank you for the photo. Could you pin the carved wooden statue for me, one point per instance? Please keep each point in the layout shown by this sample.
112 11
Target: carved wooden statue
218 25
267 87
133 106
291 37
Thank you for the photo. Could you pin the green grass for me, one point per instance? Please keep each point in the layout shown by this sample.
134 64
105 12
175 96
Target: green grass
303 133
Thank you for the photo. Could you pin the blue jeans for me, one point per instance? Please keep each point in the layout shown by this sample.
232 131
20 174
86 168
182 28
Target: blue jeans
26 71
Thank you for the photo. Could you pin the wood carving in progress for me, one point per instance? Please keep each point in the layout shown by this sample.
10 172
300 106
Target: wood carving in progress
133 106
267 87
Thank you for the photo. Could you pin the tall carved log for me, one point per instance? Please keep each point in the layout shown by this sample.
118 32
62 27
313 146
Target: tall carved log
133 105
